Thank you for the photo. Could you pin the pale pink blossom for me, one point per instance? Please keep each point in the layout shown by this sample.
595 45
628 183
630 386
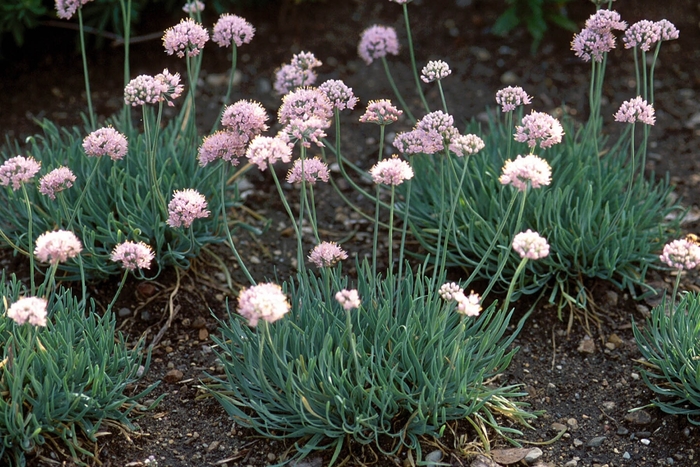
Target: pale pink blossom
348 299
636 110
531 245
511 97
305 103
642 34
539 127
681 254
30 310
232 29
314 169
133 255
57 247
439 122
264 150
523 170
435 70
381 112
305 131
224 145
419 141
466 145
173 88
145 89
468 305
195 6
187 37
186 206
591 44
391 171
667 30
18 170
376 42
327 254
247 118
106 142
263 301
65 9
339 94
449 290
297 73
605 21
56 181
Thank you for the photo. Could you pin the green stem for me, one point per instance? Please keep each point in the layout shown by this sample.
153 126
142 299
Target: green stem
396 91
511 287
391 232
30 237
85 69
300 254
651 73
644 79
375 238
234 58
119 290
442 96
76 208
419 88
228 231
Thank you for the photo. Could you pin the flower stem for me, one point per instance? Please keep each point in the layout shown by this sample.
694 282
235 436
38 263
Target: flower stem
297 231
511 287
413 59
30 237
228 231
234 58
85 69
396 91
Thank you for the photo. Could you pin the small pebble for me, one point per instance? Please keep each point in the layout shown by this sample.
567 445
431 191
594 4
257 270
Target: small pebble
645 441
595 442
626 455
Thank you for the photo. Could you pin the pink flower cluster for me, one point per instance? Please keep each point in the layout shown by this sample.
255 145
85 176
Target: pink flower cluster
636 110
106 142
56 181
530 169
348 299
18 170
466 305
645 33
145 89
376 42
297 73
133 255
327 254
188 37
57 247
65 9
681 254
417 142
263 301
30 310
381 112
246 118
224 145
232 29
449 290
435 70
466 145
264 150
531 245
306 131
305 103
195 6
539 127
313 170
391 171
597 38
339 94
511 97
439 122
186 206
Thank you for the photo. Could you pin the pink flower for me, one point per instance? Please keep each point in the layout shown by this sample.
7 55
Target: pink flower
186 206
636 110
667 30
381 112
340 96
391 171
314 169
193 7
264 150
263 301
133 255
419 141
449 290
222 144
468 305
348 299
435 70
297 73
642 34
681 254
306 131
105 142
327 254
592 44
56 181
30 310
65 9
173 89
57 247
539 126
305 103
466 145
376 42
605 21
511 97
232 28
439 122
145 89
18 170
526 169
187 37
247 118
530 245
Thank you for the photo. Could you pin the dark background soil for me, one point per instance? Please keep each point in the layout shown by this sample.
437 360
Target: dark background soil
589 389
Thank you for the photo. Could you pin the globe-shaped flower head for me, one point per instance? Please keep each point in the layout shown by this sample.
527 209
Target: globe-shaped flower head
681 254
262 301
57 247
18 170
133 255
391 171
105 142
30 310
381 112
188 38
376 42
531 245
56 181
636 110
232 29
523 170
186 206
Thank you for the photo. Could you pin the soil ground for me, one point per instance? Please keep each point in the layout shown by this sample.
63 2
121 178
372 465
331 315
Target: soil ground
584 378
